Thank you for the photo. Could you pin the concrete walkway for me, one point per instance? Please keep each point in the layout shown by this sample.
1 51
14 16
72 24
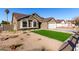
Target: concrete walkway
64 30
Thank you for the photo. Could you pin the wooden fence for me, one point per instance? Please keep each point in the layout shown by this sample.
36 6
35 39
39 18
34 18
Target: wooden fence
70 45
6 27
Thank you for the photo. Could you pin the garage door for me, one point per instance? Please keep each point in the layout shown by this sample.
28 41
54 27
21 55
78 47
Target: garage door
51 26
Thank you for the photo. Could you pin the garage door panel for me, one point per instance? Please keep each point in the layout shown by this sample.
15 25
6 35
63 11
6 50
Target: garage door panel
51 26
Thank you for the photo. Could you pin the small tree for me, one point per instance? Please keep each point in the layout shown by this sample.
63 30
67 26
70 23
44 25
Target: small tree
76 21
0 24
5 22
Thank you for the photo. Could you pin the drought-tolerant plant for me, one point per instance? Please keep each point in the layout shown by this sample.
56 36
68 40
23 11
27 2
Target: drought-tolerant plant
5 22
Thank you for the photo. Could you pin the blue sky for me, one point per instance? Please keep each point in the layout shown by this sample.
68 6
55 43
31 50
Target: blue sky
58 13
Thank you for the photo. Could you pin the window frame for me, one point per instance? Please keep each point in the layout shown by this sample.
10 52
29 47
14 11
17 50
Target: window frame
24 25
34 23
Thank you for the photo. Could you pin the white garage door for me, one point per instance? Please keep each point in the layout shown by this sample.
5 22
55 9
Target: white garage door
51 26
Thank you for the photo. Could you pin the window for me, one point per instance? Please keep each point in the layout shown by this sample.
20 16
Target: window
34 24
30 23
24 24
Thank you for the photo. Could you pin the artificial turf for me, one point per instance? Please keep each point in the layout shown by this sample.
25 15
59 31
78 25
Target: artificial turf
61 36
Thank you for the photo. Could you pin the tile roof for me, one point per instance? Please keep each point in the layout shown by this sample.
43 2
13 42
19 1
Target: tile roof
19 16
48 19
59 21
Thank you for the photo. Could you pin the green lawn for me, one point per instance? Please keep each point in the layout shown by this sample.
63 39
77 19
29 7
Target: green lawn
53 34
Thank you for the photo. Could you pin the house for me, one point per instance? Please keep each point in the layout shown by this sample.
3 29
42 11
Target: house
64 24
33 21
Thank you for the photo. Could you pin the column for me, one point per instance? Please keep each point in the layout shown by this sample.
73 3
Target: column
32 23
27 24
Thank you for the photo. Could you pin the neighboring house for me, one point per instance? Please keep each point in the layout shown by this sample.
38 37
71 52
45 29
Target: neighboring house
64 24
33 21
70 24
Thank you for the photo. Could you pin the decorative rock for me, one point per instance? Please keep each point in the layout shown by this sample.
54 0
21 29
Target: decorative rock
39 39
13 47
24 32
28 34
14 36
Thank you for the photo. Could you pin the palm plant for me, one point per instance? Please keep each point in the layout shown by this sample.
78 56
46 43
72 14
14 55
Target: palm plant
7 12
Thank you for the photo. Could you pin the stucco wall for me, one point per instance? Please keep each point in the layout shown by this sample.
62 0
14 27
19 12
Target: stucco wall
19 23
14 22
44 25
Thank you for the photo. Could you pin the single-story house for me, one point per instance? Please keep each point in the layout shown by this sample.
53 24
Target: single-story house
64 24
33 21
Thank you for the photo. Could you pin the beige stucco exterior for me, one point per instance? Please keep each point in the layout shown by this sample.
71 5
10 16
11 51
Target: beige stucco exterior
41 23
15 24
44 25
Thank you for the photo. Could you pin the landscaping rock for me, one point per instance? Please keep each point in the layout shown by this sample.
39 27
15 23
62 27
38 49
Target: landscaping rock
28 34
3 39
13 47
39 39
14 36
43 49
21 39
24 32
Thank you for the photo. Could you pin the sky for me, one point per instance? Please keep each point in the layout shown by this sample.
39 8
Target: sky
58 13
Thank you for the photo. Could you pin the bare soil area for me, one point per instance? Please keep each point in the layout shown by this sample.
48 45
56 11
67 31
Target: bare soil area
27 41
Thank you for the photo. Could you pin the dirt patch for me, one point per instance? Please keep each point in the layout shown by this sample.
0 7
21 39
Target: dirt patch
27 41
